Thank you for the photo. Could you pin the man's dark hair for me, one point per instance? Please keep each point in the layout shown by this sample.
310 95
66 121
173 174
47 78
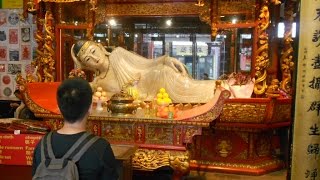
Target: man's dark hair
74 98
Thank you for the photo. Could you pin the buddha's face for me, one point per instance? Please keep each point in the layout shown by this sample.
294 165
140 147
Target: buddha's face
93 57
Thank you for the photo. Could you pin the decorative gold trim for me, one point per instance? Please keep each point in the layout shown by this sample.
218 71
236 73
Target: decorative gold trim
287 64
60 1
243 113
47 61
33 106
147 159
130 119
40 45
180 161
106 10
261 165
262 56
84 48
224 147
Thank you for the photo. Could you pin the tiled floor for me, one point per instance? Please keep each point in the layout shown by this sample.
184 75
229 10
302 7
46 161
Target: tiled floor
278 175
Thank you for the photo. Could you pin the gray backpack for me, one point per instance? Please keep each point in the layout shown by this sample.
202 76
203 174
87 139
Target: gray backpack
65 168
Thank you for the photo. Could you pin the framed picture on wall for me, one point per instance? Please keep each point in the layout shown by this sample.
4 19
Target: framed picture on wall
25 34
14 69
3 35
2 68
13 36
13 55
3 53
3 17
25 52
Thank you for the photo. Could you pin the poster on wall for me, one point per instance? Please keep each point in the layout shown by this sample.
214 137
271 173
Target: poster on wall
13 36
17 45
2 68
3 53
14 69
8 85
3 35
26 52
14 55
13 18
3 17
29 69
25 35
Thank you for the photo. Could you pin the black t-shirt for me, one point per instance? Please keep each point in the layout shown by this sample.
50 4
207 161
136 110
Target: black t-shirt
98 162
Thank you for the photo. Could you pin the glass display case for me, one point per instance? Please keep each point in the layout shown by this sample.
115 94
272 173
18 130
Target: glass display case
244 50
188 39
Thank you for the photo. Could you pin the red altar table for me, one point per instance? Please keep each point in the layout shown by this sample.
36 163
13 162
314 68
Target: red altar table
161 142
228 135
242 139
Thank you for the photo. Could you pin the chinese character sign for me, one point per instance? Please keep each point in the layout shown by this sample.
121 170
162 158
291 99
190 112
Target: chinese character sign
18 149
306 133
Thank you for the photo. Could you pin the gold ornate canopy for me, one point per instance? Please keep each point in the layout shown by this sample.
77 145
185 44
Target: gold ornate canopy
61 1
254 13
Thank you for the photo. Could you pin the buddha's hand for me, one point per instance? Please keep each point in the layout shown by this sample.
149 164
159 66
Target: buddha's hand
175 64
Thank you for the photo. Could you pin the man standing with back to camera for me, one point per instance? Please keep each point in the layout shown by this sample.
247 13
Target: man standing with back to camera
74 97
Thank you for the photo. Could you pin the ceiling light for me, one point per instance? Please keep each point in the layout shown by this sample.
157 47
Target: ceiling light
169 22
112 22
234 20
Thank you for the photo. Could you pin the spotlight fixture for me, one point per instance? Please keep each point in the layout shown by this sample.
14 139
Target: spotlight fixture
112 22
169 22
234 20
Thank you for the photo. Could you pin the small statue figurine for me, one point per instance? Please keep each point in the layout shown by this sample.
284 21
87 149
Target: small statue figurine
273 89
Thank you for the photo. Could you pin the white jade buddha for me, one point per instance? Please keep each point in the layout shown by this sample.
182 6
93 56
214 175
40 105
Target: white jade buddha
119 68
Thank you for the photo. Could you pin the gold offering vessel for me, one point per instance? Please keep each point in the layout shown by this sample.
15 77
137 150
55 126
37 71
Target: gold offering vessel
121 104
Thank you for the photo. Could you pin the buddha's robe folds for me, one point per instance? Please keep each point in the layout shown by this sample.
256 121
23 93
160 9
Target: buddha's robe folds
153 74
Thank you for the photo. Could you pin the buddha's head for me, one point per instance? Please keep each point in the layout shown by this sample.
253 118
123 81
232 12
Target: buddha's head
89 55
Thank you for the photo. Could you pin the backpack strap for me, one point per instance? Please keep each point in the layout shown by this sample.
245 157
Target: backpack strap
49 146
76 145
46 146
43 155
74 153
84 148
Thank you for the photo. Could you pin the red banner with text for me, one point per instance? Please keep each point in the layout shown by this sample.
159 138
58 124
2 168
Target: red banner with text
17 149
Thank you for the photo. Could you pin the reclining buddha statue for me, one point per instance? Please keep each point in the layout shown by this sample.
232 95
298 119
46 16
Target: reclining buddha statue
117 69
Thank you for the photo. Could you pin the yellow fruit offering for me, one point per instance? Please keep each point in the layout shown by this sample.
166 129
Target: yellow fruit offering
163 97
104 93
100 94
97 94
167 100
162 90
99 89
160 101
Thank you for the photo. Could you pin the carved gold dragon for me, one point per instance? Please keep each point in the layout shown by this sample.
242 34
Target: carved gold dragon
262 56
286 55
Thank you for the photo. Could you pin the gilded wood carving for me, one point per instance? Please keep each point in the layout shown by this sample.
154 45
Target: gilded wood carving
286 60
